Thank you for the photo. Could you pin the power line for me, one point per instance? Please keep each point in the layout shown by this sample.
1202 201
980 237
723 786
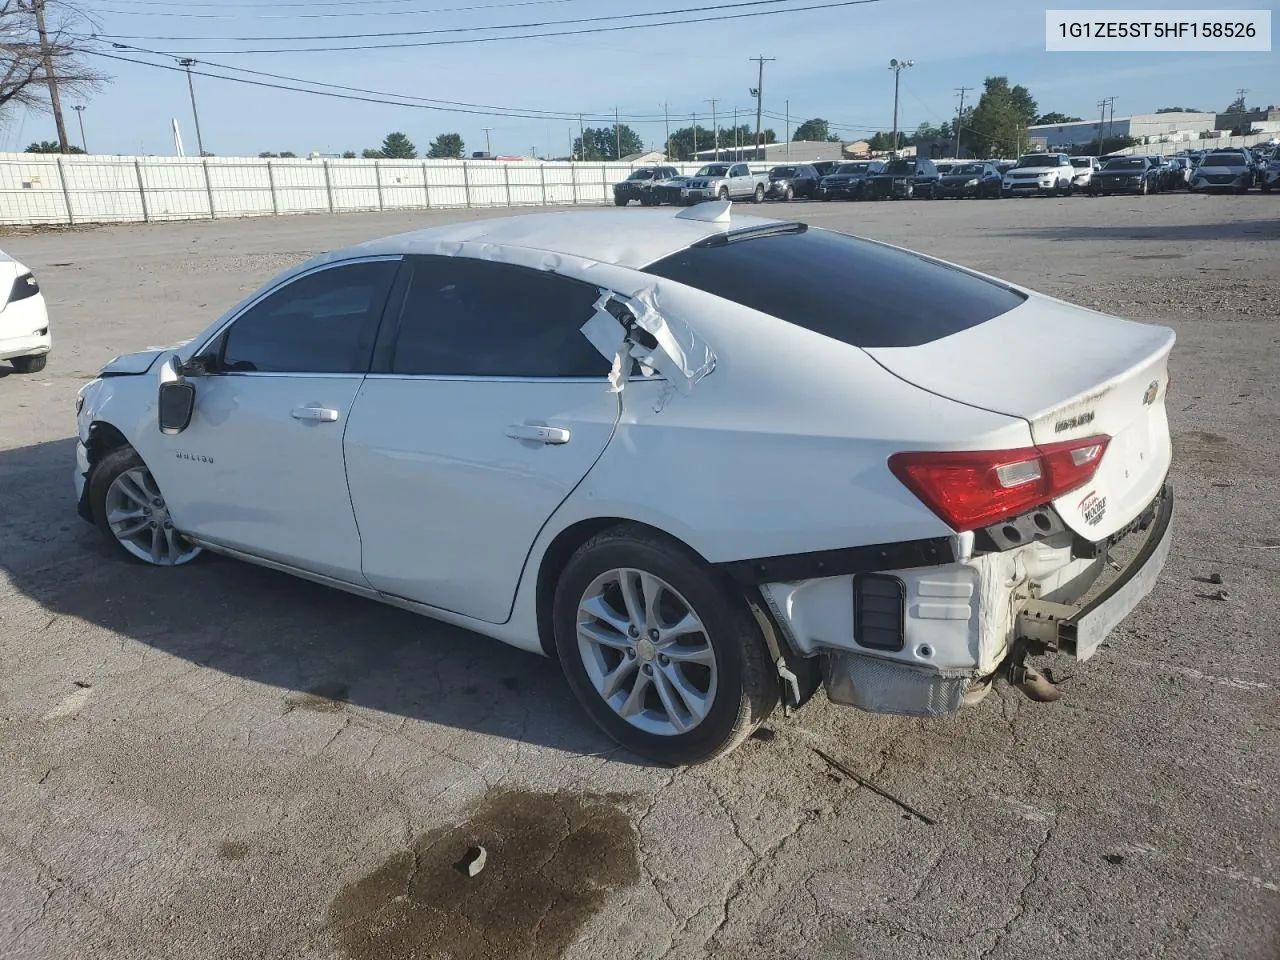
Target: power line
329 3
486 109
472 29
832 4
396 100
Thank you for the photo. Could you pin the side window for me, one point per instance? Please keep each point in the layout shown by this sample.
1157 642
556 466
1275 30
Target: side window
464 317
324 322
738 170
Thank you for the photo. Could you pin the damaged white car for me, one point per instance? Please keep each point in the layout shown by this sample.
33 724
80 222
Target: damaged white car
708 462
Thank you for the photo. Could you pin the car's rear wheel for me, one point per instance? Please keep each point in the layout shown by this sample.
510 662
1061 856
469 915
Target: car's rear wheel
130 510
758 196
33 364
662 654
619 201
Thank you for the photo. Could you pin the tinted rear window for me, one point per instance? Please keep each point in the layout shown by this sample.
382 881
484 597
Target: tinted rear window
851 290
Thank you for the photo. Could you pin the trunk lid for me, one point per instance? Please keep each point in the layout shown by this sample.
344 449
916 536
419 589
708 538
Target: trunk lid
1070 373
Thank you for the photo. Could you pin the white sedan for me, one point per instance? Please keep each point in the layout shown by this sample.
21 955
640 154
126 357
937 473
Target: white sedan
707 461
24 318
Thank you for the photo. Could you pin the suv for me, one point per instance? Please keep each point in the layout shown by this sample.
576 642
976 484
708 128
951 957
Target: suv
903 179
1040 173
725 181
639 185
847 180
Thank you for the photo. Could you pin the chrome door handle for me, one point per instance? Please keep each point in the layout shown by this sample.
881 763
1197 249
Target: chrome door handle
314 414
539 432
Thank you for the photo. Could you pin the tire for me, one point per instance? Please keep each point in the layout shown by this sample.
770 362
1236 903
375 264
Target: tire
32 364
758 196
740 679
788 194
910 192
648 202
619 201
722 193
1145 188
168 547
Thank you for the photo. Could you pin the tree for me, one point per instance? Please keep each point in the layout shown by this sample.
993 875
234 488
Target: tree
348 154
23 80
1236 106
396 146
447 146
283 154
49 146
602 143
815 129
998 124
368 153
1179 110
1056 119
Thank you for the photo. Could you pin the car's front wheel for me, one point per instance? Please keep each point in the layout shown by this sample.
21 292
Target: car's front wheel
130 510
619 201
33 364
664 656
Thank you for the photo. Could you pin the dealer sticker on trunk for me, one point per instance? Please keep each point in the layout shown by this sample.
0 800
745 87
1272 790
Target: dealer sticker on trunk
1093 508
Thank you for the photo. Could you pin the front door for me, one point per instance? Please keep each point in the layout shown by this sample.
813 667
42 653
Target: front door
486 406
260 467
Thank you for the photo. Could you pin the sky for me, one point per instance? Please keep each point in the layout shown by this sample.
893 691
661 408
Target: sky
830 63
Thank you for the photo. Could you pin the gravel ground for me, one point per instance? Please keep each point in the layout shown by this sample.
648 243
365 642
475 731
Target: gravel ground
223 762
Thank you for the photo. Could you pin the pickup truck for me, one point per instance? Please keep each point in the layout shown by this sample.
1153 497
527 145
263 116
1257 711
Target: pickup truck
725 181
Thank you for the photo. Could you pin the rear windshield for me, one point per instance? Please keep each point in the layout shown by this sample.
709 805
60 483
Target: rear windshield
851 290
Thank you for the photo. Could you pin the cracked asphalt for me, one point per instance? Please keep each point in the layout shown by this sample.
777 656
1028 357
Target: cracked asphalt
224 762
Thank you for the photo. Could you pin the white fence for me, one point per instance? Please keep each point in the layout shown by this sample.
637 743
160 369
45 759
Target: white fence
53 189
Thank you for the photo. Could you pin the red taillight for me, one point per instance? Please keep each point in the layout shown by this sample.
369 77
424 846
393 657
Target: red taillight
970 489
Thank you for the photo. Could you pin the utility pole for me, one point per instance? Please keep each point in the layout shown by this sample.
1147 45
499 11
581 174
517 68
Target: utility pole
582 140
79 109
186 63
959 118
693 125
666 122
758 93
617 136
897 66
737 137
715 127
488 151
46 51
788 103
1111 124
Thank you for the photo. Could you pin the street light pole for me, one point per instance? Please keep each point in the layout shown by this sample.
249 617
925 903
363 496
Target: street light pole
186 63
897 66
758 92
79 109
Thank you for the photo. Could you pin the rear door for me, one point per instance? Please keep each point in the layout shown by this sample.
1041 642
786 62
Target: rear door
486 406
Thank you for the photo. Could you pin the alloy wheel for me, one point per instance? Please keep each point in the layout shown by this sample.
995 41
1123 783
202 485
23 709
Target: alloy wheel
646 652
139 519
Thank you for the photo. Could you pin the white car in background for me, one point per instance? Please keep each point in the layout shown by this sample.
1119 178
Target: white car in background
1040 174
24 318
1085 168
706 461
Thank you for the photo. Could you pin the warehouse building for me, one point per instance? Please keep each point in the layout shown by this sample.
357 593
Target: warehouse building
1148 128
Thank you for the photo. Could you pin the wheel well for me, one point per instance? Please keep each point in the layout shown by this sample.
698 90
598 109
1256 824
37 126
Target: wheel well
103 438
565 544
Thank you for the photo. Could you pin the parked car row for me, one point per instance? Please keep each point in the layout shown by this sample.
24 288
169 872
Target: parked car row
906 178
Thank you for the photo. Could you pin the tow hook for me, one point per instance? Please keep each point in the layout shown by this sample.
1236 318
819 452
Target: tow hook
1037 686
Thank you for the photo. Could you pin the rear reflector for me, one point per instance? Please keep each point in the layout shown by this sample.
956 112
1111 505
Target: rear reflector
970 489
